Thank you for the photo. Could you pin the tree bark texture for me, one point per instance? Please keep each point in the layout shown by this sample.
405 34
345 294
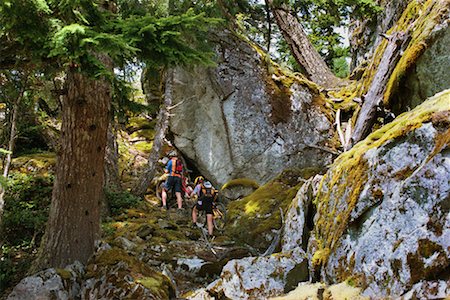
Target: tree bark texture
303 51
374 96
112 158
74 221
161 131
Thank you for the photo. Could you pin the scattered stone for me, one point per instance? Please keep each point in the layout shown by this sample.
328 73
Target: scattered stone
125 243
145 231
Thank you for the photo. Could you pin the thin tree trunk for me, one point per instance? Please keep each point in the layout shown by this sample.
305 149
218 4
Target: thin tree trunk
303 51
2 204
374 96
269 25
161 131
13 134
74 221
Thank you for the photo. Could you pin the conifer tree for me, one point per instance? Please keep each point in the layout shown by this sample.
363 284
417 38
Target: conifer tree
87 39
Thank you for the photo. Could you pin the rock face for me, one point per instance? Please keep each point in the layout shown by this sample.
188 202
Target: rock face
255 277
383 207
430 73
245 118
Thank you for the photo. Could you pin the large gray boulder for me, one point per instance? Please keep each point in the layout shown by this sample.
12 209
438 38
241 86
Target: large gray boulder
254 277
51 283
246 119
383 208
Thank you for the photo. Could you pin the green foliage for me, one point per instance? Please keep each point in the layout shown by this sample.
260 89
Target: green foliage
14 263
320 18
27 201
119 201
169 40
340 67
4 151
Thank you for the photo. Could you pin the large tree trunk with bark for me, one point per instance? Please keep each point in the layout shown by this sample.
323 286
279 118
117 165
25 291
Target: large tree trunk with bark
303 51
158 142
74 221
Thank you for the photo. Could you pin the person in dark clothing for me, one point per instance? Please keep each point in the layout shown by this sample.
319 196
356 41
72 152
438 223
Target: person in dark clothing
205 202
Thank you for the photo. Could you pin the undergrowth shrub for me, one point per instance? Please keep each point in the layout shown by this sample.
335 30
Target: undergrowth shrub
119 201
27 204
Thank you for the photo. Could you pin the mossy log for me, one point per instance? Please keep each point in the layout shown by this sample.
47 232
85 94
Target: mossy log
366 119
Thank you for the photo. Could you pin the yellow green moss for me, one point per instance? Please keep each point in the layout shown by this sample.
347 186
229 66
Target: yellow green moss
144 147
241 182
156 282
250 218
140 123
346 177
425 17
40 161
63 273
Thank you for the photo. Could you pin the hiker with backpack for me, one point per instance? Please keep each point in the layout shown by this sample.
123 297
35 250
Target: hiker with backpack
206 197
174 169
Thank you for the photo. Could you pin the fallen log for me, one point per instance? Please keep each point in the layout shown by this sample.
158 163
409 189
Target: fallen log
397 43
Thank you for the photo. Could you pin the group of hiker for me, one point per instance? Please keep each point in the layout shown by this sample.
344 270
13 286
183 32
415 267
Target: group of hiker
203 191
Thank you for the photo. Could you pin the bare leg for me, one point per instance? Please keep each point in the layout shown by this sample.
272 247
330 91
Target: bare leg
164 198
179 200
194 214
209 220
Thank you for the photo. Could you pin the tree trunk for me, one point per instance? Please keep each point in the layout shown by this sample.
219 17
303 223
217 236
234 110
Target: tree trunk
112 158
74 221
2 204
12 134
303 51
161 130
374 96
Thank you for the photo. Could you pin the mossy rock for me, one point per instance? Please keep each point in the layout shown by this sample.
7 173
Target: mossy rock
124 272
37 162
140 123
343 184
238 188
253 219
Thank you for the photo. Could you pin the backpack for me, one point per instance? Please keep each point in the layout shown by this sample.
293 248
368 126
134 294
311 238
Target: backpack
207 192
177 166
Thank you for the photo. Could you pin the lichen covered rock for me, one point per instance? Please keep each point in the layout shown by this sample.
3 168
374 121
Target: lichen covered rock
256 277
246 118
51 283
296 229
256 219
114 274
383 213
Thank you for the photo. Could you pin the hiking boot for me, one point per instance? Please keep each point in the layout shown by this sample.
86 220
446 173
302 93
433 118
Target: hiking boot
164 208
